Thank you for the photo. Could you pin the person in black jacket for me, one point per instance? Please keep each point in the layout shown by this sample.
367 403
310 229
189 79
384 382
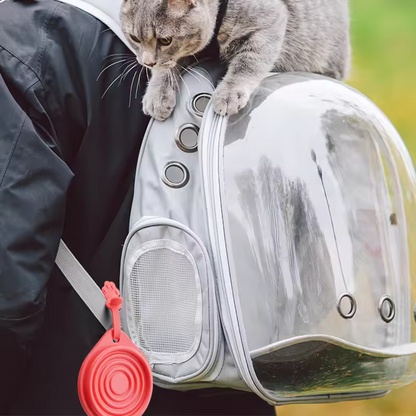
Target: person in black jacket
67 162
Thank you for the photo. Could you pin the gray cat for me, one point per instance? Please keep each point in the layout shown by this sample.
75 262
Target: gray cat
255 38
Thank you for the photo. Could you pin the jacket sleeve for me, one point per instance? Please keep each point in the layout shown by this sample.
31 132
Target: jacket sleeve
33 185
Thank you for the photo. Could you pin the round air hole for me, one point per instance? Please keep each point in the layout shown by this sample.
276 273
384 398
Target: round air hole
187 138
199 103
175 175
387 309
347 306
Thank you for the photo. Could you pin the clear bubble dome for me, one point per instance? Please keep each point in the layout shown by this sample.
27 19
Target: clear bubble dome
318 200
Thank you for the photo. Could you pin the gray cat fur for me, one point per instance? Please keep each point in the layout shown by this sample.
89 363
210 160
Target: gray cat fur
255 38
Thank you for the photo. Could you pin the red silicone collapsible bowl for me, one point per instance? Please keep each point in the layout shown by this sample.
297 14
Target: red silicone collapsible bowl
115 379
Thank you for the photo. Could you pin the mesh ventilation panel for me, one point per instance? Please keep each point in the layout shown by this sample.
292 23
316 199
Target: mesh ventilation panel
165 311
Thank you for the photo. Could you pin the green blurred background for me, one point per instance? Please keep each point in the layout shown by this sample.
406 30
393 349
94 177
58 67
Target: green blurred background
383 35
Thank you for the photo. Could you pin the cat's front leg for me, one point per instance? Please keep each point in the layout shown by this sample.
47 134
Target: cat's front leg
160 98
250 65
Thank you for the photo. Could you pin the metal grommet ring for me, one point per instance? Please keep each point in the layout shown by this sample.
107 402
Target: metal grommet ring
352 304
175 175
186 138
387 309
199 103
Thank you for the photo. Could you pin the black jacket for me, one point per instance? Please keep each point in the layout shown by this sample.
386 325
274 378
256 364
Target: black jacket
67 163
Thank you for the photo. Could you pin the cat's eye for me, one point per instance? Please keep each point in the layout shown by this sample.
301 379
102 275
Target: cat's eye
134 38
165 41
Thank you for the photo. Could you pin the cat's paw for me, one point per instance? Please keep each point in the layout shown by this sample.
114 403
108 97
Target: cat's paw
230 100
159 103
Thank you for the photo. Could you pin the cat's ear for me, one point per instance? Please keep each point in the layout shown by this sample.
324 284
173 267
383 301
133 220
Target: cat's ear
182 3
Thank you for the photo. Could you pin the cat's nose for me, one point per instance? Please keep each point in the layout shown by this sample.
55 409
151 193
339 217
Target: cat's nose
150 64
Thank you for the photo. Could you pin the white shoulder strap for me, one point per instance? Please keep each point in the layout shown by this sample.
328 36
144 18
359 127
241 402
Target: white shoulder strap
83 284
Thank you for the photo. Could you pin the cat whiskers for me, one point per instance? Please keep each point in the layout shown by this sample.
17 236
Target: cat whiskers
121 77
126 71
202 76
105 92
184 83
109 66
196 74
138 83
111 60
176 80
131 87
190 73
119 55
173 79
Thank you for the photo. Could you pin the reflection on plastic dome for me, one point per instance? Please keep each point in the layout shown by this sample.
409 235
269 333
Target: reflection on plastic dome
314 180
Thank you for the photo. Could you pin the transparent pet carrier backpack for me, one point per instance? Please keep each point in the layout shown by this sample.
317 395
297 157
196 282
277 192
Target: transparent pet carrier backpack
274 251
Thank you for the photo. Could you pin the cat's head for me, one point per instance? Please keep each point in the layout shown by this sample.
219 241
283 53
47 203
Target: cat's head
164 31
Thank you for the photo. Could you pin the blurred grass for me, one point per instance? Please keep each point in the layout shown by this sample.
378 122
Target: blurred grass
383 34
